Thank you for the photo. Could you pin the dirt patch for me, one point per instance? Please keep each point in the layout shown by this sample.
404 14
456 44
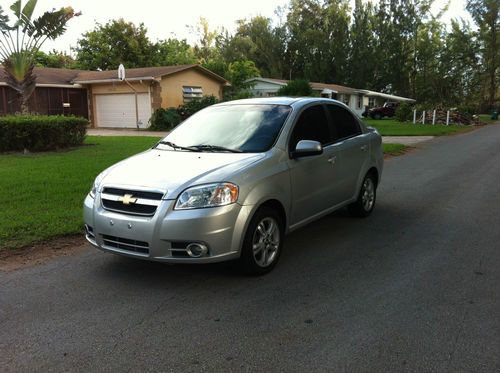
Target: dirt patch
12 259
407 149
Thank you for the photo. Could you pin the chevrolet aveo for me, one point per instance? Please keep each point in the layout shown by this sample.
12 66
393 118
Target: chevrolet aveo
233 179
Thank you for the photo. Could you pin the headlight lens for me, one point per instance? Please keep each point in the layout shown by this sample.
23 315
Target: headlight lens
93 191
209 195
97 183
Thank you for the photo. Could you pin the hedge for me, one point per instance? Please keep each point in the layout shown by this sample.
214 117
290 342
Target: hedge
41 132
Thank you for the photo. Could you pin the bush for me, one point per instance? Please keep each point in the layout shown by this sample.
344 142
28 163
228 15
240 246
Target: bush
298 87
164 119
191 107
41 132
404 112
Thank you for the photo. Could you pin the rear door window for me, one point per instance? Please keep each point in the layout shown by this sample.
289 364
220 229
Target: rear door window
344 123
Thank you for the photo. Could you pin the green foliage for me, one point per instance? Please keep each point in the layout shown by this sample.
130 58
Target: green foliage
47 188
164 119
116 42
238 73
191 107
54 59
173 52
20 42
298 87
41 132
404 112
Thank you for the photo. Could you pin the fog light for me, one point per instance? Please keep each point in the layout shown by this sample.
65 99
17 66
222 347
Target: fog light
196 250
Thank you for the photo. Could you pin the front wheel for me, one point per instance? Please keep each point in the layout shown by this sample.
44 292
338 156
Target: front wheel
365 203
263 242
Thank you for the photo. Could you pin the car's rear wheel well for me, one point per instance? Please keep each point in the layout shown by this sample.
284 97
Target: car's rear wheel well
278 207
374 172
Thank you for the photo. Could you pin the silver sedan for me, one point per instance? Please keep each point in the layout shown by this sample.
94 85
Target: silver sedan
232 180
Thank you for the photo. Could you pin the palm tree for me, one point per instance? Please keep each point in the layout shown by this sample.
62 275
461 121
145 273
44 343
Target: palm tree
20 42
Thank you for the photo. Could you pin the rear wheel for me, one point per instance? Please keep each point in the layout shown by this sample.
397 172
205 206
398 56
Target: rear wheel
365 203
263 242
377 116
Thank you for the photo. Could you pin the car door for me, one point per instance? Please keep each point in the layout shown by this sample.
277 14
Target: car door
353 147
312 177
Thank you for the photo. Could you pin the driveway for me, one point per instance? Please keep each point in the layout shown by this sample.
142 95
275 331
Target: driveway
405 140
414 287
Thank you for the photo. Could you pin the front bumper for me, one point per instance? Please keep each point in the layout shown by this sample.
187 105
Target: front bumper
165 235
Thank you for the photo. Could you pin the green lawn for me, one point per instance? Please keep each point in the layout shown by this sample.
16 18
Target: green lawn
42 194
486 118
391 127
395 149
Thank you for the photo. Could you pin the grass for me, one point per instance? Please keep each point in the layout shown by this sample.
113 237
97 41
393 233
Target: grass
42 194
395 149
391 127
486 118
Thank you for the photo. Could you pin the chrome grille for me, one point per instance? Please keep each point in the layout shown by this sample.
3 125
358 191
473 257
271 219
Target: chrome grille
132 202
126 244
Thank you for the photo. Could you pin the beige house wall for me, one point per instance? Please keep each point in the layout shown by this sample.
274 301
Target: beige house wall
171 87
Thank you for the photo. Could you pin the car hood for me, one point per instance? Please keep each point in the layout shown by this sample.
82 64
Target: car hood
173 171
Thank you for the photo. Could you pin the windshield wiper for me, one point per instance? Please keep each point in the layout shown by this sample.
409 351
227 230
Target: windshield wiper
214 148
175 146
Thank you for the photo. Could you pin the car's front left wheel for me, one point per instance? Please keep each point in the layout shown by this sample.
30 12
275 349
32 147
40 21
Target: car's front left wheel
263 242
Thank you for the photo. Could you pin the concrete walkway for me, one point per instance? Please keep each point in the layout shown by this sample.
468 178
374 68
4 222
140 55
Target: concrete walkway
405 140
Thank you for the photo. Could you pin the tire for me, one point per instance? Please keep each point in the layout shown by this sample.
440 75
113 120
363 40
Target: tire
377 116
263 242
367 197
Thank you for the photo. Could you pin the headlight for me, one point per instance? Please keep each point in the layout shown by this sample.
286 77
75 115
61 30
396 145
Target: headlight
93 191
97 183
209 195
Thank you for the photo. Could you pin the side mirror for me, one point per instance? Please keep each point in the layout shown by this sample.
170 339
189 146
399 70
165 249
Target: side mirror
306 148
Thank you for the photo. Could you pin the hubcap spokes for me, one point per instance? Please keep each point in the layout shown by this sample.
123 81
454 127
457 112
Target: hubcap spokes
368 197
266 241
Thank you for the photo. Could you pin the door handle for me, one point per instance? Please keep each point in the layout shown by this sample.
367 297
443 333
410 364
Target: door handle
364 148
332 159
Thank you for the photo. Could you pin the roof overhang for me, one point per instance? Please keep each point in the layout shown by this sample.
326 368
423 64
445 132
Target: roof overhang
114 80
48 85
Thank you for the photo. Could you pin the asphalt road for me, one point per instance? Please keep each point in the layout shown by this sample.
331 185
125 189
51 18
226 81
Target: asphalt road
414 287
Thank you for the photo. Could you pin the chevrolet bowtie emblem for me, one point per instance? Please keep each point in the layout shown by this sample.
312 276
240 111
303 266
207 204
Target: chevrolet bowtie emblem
127 199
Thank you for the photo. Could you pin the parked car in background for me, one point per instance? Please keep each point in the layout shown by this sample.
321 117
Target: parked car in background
233 179
387 110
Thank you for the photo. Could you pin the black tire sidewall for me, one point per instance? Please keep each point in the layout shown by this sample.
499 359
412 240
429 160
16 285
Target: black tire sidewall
247 258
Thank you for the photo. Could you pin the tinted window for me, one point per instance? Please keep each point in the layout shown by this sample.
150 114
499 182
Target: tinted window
345 125
311 125
248 128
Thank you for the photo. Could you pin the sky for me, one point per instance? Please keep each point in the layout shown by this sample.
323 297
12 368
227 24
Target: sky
167 18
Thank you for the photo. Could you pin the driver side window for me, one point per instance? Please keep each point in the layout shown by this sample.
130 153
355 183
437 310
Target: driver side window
311 125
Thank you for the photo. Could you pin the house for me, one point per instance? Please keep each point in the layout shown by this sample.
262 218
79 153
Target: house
109 102
357 99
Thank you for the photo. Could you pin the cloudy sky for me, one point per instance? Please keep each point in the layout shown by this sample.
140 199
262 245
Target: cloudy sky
167 18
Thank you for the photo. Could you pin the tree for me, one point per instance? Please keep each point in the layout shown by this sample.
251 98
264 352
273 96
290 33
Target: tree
21 41
174 52
486 14
54 59
238 73
298 87
362 46
117 42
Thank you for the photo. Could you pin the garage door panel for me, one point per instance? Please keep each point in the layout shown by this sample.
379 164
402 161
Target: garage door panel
118 110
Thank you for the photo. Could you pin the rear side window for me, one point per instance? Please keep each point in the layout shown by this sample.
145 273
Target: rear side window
311 125
344 123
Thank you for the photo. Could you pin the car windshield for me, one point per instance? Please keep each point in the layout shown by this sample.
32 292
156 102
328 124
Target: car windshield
236 128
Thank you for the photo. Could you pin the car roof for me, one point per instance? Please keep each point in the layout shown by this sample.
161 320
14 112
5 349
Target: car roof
290 101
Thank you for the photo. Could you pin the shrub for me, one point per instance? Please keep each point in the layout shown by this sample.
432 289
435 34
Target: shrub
191 107
164 119
298 87
41 132
404 112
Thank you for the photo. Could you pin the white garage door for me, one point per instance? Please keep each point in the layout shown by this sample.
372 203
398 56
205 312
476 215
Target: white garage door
118 110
